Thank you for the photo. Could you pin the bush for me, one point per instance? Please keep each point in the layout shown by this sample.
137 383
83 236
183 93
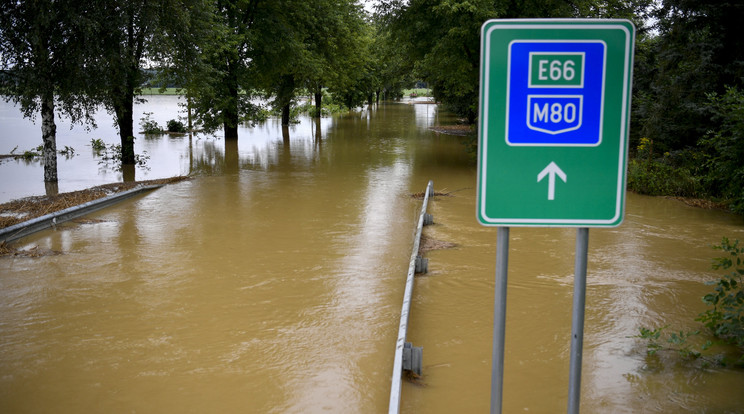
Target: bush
97 144
725 148
176 126
724 320
149 127
657 178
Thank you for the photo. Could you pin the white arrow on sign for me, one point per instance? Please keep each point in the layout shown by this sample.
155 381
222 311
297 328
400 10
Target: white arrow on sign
551 171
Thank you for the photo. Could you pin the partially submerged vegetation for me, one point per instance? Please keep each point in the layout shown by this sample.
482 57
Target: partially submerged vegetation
712 169
24 209
722 340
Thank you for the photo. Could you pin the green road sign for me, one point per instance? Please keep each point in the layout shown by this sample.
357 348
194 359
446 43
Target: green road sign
554 114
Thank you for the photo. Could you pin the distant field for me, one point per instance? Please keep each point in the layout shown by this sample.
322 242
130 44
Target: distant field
418 92
156 91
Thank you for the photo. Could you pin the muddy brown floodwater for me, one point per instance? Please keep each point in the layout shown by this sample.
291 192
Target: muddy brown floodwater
272 283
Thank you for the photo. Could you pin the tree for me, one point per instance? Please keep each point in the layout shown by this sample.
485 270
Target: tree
271 49
132 35
441 37
41 62
223 96
335 40
315 45
699 50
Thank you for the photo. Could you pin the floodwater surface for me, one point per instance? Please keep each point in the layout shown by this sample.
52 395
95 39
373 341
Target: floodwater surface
272 282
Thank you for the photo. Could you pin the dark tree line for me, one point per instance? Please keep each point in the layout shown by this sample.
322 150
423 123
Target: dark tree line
687 117
441 43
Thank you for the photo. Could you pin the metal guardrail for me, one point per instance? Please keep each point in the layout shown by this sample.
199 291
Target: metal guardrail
19 230
401 346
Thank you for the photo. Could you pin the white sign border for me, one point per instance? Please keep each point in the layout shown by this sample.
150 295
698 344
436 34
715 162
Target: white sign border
552 24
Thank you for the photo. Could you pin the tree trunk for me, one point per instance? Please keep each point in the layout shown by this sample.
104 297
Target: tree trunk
318 103
51 187
188 109
284 97
318 132
231 118
285 115
232 164
49 137
128 173
285 138
231 132
125 120
124 106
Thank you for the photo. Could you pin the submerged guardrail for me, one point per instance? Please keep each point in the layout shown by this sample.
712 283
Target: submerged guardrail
25 228
408 357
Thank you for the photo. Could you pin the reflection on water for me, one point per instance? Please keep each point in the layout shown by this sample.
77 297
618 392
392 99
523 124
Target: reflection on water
272 282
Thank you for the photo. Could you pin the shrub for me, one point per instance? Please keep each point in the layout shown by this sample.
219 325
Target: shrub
657 178
725 148
724 319
176 126
149 127
97 144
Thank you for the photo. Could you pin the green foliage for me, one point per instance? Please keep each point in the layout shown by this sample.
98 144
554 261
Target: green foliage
149 126
37 152
67 151
669 175
29 155
329 106
136 34
111 156
176 126
257 114
712 169
688 80
678 342
659 178
42 55
724 319
440 41
698 50
417 92
97 144
724 146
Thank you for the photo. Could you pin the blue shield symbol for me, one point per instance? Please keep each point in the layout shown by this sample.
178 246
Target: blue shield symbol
554 114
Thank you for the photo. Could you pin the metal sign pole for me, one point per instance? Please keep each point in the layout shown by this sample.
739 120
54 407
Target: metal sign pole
499 319
577 323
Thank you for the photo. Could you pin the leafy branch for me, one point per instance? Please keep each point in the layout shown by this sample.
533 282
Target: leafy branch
724 320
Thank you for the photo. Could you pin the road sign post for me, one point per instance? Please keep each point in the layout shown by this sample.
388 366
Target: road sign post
554 117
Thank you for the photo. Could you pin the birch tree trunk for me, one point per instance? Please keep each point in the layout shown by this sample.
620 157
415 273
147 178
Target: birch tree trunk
49 137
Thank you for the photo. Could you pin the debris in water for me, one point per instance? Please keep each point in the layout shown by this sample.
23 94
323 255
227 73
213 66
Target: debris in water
6 250
428 244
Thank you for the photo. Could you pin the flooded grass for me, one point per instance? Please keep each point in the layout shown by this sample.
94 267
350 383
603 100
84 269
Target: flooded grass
420 195
428 244
459 130
7 250
28 208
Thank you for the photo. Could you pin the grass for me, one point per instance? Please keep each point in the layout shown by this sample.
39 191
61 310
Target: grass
418 91
156 91
24 209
